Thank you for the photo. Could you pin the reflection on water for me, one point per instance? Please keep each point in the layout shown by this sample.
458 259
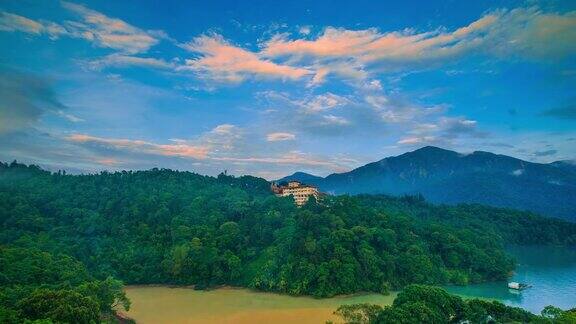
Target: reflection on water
551 271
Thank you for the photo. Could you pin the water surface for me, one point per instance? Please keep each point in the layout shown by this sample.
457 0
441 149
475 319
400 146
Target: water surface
235 305
551 271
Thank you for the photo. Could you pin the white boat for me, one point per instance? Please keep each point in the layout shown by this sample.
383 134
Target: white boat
517 285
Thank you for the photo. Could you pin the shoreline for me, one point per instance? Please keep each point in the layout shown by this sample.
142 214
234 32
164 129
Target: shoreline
240 288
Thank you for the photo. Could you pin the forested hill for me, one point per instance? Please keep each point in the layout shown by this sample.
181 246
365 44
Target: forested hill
445 176
164 226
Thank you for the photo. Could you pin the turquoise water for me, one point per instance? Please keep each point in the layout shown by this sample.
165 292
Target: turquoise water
551 271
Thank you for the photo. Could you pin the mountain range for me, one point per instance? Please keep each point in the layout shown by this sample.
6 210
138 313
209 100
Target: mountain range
444 176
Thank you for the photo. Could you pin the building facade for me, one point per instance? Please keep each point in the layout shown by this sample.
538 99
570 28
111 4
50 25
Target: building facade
299 191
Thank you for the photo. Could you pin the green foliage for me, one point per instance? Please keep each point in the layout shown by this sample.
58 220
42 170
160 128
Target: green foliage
509 225
60 306
9 315
76 233
428 304
108 293
551 312
358 313
480 309
22 266
440 306
40 286
556 315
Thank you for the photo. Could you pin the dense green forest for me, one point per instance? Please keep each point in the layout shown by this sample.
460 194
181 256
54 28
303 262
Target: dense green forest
54 288
168 227
426 304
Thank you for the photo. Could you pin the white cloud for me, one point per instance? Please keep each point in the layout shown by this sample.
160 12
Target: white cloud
69 116
225 129
377 101
399 110
276 137
294 158
309 103
305 30
518 172
418 140
371 85
220 148
457 126
443 131
120 60
323 102
222 138
334 120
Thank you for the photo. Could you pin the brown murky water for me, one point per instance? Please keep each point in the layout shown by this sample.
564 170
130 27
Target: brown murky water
156 305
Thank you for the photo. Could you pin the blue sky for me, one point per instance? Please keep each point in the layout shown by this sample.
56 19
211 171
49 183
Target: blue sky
272 87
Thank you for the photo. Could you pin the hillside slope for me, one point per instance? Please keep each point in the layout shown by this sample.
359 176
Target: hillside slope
444 176
170 227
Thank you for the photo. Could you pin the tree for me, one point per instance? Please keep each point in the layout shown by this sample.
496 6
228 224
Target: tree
108 293
62 306
428 304
72 232
358 313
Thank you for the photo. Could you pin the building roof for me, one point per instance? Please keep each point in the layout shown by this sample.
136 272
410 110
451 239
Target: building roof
300 185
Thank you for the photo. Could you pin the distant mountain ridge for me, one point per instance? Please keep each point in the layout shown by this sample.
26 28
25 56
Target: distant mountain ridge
445 176
302 177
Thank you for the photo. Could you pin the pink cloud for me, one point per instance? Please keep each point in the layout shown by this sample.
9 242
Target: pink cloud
109 32
177 150
108 162
222 61
92 26
12 22
524 32
369 44
333 42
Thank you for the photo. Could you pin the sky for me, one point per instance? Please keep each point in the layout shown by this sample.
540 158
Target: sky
271 87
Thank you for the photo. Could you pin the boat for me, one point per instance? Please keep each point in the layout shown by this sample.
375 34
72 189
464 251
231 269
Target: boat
518 285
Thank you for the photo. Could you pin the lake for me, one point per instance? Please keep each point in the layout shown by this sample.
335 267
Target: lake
235 305
551 270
